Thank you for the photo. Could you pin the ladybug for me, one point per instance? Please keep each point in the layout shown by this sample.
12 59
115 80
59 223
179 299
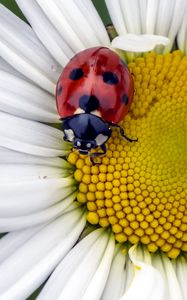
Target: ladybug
93 94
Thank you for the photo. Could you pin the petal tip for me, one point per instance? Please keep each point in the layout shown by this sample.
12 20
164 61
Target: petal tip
139 43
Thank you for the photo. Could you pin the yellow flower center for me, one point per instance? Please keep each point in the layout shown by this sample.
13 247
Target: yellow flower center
140 188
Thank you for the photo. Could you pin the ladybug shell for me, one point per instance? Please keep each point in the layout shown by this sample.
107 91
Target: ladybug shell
100 75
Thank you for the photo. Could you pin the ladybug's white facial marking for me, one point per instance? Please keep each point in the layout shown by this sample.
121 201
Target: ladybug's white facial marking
88 145
69 135
96 113
82 111
79 111
101 139
78 143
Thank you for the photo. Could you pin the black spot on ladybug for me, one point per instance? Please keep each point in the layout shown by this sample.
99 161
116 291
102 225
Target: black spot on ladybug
76 74
88 103
125 99
110 78
59 91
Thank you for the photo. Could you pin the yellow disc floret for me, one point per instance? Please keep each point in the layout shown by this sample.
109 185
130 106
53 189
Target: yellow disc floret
140 188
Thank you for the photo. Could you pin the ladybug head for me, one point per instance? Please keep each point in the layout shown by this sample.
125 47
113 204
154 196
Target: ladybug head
86 131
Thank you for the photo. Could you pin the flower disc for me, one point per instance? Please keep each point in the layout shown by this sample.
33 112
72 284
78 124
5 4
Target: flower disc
140 188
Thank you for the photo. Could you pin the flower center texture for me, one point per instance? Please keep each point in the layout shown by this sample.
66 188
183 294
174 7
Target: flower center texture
139 189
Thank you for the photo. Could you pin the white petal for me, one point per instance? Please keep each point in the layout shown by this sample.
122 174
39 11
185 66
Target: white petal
12 173
147 17
80 25
31 137
163 264
131 15
72 24
59 21
143 14
128 16
40 217
116 15
147 283
88 9
63 273
129 270
138 43
4 66
13 240
114 288
181 272
151 15
164 17
46 32
177 17
38 256
22 98
29 196
97 284
8 156
21 48
87 263
182 34
140 253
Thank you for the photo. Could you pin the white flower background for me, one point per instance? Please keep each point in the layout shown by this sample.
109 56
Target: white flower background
37 189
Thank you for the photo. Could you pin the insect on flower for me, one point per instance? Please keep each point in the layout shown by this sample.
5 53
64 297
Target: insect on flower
93 94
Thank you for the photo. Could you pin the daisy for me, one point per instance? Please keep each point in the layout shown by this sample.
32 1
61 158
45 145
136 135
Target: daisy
116 230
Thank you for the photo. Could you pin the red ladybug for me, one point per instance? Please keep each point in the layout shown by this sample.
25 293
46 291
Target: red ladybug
94 93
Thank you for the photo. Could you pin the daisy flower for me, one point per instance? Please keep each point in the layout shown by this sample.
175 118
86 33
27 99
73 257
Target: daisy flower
116 230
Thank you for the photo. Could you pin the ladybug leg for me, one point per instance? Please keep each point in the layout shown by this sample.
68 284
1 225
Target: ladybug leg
103 148
122 132
97 154
126 137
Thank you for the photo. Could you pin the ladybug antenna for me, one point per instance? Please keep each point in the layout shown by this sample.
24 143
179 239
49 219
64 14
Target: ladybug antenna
122 132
